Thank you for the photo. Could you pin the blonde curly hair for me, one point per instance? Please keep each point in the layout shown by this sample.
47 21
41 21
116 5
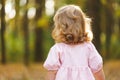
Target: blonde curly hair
71 25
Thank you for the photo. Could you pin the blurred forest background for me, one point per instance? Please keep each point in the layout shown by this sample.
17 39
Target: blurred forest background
26 25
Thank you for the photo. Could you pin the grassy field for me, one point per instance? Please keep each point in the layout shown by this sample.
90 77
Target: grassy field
112 70
21 72
37 72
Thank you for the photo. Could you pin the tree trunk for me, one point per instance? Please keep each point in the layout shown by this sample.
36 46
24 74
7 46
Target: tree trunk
94 11
3 32
0 30
119 24
38 45
26 37
109 26
38 31
119 28
15 30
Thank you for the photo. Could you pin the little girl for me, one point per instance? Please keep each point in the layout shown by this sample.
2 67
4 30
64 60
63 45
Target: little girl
73 57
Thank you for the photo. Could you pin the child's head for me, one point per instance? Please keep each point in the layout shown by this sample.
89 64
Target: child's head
71 25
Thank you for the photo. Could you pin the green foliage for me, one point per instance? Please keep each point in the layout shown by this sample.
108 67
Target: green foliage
118 11
31 45
14 36
115 48
104 2
15 42
43 21
48 42
14 47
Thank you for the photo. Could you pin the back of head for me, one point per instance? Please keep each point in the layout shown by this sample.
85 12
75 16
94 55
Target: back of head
71 25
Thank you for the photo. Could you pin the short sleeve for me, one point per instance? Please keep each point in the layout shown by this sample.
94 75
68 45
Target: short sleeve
52 62
95 59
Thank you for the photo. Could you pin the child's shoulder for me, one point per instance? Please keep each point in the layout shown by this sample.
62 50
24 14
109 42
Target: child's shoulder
58 45
90 45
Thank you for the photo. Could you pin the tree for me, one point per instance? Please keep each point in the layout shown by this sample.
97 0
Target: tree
109 13
119 20
26 36
17 8
0 28
38 31
94 11
119 28
3 32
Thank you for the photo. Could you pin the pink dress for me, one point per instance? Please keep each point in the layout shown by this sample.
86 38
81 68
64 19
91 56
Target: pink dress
74 62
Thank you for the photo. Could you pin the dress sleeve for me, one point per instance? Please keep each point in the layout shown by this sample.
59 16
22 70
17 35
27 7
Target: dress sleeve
52 62
95 60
